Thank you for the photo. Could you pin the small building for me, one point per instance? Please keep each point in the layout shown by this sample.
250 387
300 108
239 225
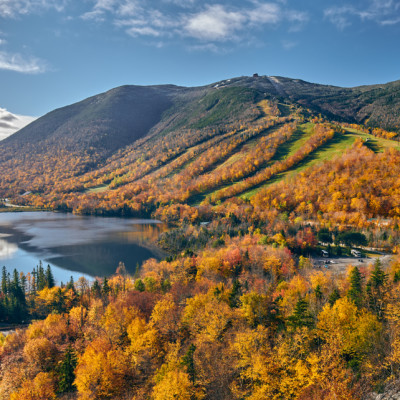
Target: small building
356 253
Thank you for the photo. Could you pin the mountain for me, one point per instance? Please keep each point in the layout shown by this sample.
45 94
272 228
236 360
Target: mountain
122 115
11 123
134 149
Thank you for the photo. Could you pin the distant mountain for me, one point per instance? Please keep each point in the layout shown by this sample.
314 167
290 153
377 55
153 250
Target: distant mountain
124 147
11 123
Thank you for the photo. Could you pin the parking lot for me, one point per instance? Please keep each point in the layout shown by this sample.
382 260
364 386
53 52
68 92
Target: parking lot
339 264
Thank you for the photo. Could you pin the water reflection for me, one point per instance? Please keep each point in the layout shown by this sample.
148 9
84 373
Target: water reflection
7 249
76 244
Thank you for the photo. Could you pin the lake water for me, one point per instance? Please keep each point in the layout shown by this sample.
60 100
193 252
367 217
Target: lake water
75 245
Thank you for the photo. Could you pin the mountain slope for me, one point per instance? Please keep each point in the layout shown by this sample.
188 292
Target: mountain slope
107 121
135 149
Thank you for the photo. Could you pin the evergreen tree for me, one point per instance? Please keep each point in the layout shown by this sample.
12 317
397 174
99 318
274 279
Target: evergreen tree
34 280
71 285
23 282
188 362
49 277
59 302
17 304
355 292
4 286
96 289
318 293
335 295
301 316
375 289
106 287
235 294
41 277
66 372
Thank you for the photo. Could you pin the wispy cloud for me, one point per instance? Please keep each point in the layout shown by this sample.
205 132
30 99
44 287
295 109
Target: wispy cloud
383 12
288 44
13 8
19 63
204 23
340 16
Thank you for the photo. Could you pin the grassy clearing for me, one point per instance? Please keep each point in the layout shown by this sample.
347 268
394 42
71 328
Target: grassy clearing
97 189
298 139
334 148
246 148
378 145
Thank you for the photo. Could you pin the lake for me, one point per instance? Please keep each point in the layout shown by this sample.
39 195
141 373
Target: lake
76 245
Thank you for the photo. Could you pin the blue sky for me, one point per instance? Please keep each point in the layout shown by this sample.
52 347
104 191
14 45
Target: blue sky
56 52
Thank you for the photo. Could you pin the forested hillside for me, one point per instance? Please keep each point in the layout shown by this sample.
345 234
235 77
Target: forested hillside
243 319
134 150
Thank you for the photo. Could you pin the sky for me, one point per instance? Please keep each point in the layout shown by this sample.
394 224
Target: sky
56 52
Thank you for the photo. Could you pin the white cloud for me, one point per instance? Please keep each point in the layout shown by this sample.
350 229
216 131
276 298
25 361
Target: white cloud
215 23
207 23
129 8
267 13
18 63
393 21
142 31
340 16
122 8
13 8
383 12
11 123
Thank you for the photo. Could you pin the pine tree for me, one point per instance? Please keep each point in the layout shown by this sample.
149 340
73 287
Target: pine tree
106 287
41 278
4 286
301 316
66 371
96 289
34 280
335 295
49 277
188 362
17 305
318 293
355 292
235 294
375 289
71 285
